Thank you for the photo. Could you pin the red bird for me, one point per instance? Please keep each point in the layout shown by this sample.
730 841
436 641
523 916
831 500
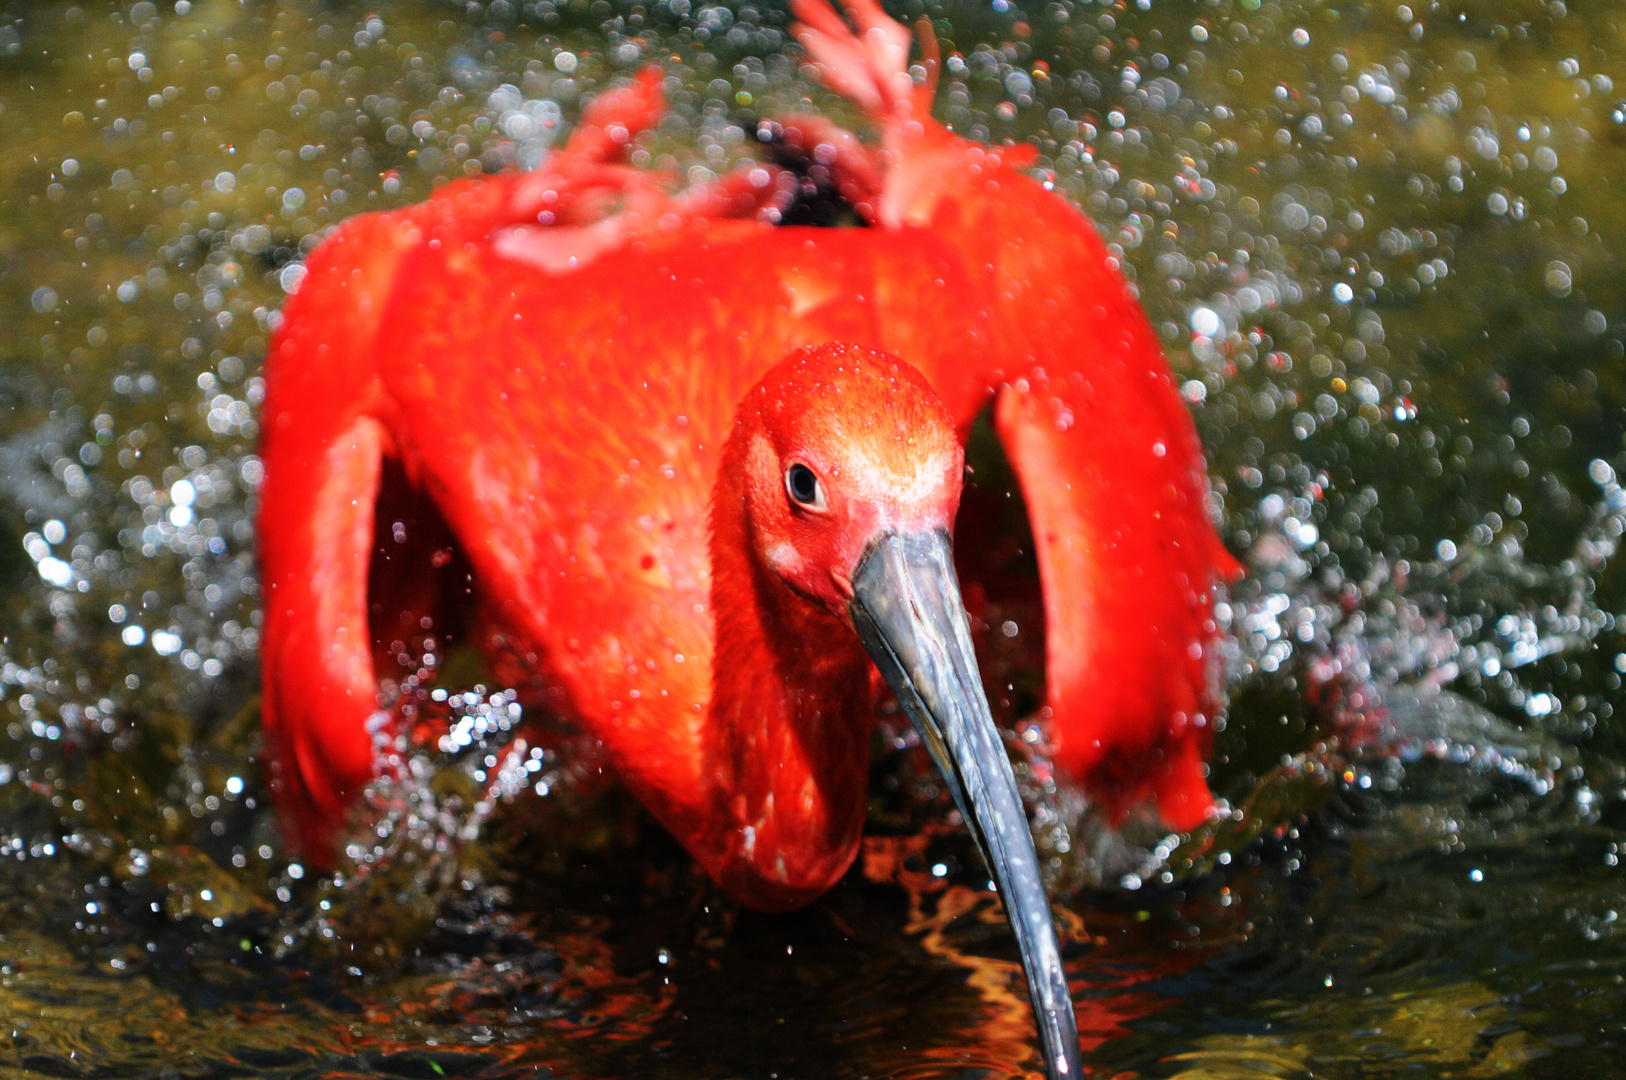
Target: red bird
699 522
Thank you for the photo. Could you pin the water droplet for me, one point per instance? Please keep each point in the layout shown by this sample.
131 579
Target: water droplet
55 572
1205 321
291 277
1557 278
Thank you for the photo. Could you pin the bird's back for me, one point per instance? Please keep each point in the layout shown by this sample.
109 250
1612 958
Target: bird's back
569 426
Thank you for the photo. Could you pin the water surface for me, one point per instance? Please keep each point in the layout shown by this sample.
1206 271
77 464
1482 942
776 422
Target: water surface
1379 243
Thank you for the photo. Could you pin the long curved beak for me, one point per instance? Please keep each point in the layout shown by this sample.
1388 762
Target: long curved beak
906 607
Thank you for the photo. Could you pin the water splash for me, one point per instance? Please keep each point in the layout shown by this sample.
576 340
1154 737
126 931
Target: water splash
1432 660
1380 252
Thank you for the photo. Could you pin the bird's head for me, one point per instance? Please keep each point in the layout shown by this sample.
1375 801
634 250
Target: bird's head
841 446
849 468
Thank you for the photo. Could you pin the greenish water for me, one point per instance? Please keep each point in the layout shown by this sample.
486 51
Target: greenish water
1380 245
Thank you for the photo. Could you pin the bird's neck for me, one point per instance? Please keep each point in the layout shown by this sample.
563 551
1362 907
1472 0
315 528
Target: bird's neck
789 726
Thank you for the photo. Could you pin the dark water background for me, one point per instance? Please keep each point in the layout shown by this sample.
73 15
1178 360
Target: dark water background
1379 242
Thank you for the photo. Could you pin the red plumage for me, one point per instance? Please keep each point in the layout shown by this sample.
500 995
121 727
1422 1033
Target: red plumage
557 361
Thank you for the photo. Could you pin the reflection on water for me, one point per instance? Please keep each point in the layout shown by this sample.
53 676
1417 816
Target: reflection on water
1379 245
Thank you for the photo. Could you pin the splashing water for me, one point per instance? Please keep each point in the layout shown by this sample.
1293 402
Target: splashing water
1379 246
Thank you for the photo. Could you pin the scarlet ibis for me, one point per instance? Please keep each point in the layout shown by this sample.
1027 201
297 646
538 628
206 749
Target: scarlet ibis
701 546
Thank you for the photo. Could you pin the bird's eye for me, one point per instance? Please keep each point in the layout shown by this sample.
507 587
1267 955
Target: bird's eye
803 486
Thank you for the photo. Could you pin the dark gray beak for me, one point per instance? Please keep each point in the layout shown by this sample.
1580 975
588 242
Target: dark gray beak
906 607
